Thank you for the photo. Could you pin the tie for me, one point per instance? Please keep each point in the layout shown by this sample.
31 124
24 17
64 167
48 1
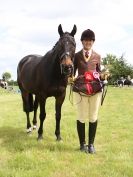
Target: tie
86 54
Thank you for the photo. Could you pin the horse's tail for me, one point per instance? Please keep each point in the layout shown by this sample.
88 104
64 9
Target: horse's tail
28 103
31 106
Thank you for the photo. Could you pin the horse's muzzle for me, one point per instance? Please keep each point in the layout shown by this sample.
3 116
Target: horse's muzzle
66 69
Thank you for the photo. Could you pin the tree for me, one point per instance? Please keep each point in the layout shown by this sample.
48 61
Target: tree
118 67
109 59
6 76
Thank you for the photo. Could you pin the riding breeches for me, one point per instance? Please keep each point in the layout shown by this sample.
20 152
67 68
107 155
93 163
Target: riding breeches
87 106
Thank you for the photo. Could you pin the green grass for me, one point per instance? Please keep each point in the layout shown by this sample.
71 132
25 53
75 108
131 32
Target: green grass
22 155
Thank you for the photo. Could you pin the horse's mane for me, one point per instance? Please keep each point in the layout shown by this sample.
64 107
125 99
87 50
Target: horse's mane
55 45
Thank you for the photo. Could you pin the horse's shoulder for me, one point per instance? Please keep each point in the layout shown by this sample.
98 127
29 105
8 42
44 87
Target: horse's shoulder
31 58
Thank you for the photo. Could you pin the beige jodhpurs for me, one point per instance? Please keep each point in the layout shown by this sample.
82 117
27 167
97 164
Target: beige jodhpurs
87 107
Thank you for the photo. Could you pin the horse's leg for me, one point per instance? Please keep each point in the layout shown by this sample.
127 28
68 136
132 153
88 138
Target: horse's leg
42 117
35 113
27 108
58 105
29 128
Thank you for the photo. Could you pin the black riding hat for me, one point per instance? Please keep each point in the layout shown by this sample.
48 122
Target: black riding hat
88 35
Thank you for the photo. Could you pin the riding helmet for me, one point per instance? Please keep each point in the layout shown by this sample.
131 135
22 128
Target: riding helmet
88 35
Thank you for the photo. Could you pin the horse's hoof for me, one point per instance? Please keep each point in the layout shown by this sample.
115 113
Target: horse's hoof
59 139
34 127
40 137
29 130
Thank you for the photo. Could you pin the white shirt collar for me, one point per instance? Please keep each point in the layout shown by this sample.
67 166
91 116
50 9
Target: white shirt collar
89 52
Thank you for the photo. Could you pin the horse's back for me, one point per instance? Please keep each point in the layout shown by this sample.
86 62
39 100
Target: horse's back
31 59
26 71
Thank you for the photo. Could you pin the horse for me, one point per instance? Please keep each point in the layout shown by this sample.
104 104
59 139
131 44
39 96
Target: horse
3 84
46 76
120 83
127 82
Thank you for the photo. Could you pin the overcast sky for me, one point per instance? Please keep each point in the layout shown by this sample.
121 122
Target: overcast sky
31 27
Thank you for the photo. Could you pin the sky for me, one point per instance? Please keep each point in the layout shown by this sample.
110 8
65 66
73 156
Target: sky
31 27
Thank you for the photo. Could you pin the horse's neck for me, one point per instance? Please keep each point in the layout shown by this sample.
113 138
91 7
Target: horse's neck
52 63
56 72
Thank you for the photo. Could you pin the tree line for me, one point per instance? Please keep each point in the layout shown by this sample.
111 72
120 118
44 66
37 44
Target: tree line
6 76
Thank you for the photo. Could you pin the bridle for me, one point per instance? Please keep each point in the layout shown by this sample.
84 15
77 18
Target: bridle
66 69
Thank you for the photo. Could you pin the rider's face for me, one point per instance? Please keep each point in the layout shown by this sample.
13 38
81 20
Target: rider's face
87 44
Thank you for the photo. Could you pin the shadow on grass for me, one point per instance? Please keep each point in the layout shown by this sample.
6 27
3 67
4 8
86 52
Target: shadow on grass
16 140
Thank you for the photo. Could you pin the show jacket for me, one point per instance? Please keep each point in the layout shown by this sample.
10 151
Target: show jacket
80 64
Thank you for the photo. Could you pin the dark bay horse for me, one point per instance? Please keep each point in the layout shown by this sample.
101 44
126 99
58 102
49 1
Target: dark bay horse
46 76
127 82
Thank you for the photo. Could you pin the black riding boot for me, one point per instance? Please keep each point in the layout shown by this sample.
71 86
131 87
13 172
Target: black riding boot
92 133
81 135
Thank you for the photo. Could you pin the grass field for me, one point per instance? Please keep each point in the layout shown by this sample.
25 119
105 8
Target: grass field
22 156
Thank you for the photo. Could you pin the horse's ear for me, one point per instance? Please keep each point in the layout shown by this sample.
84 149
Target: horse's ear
60 31
74 30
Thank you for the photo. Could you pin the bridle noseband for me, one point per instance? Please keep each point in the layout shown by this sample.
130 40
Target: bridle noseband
66 69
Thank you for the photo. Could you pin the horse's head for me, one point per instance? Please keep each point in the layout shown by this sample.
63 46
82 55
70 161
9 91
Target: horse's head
67 50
